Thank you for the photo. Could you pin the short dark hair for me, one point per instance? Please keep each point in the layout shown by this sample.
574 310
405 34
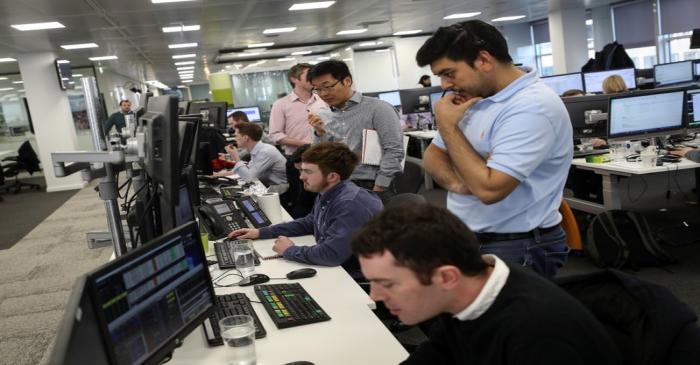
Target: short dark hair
421 237
124 101
332 157
424 77
239 115
297 70
251 130
338 69
462 42
572 92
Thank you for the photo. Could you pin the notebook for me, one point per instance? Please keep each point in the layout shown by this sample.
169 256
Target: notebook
372 150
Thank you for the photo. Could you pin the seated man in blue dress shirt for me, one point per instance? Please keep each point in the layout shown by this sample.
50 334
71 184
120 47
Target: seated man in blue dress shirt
266 164
340 209
504 147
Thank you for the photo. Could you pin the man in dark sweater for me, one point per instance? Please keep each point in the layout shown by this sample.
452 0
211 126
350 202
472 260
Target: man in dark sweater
423 262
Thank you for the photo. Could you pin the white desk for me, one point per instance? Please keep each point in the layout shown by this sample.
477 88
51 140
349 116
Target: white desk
424 137
5 153
611 172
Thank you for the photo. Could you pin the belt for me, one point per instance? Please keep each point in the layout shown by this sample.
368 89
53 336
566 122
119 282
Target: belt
487 237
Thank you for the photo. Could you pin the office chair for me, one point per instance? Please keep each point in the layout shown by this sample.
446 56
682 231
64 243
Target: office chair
570 226
26 160
405 198
411 179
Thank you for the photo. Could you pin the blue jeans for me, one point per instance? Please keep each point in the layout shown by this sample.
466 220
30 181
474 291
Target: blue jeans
545 254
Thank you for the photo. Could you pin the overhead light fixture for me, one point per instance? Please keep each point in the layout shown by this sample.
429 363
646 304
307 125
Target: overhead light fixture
286 59
311 6
258 45
181 28
381 50
181 87
351 31
408 32
18 82
79 46
183 63
347 59
169 1
77 75
508 18
248 54
185 68
367 44
103 58
186 81
38 26
300 53
7 89
3 78
180 56
158 84
279 30
182 45
335 54
62 61
589 21
324 58
462 15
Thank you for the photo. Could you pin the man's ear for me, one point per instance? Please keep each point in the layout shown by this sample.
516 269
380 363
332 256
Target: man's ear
333 177
446 276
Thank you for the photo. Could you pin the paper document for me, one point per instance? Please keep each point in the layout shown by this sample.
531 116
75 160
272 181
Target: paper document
372 150
265 252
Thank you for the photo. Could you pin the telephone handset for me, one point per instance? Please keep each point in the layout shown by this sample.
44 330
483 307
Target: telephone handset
251 209
221 218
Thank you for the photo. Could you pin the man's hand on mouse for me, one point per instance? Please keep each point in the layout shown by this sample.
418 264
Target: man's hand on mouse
282 243
245 233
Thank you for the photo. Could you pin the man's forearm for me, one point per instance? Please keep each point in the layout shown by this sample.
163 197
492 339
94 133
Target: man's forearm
468 164
289 141
437 163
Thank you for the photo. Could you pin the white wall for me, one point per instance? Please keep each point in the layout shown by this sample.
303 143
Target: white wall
375 71
409 72
567 31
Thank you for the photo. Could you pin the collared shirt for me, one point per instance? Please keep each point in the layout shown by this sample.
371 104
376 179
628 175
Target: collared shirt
289 118
523 131
489 292
116 120
266 164
336 215
346 125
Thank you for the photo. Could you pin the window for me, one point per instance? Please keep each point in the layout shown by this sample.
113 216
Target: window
632 27
643 57
543 48
677 19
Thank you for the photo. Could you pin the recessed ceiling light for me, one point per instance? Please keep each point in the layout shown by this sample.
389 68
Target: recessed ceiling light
3 78
299 53
181 28
182 45
7 89
589 21
185 68
189 55
367 44
103 58
408 32
77 75
508 18
186 81
38 26
258 45
462 15
18 82
79 46
286 59
248 54
324 58
309 6
62 61
168 1
183 63
382 50
347 59
279 30
351 31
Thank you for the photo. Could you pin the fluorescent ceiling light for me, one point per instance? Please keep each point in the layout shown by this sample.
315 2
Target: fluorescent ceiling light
286 59
248 54
3 78
323 58
62 61
182 45
462 15
382 50
408 32
158 84
367 44
77 75
351 31
508 18
103 58
181 87
589 21
258 45
183 63
279 30
185 68
181 28
7 89
7 60
38 26
189 55
79 46
347 59
299 53
186 81
168 1
18 82
310 6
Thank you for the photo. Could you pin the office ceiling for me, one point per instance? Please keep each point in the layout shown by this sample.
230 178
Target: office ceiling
132 29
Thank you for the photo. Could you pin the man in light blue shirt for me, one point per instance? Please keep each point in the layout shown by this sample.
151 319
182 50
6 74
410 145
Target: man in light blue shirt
504 147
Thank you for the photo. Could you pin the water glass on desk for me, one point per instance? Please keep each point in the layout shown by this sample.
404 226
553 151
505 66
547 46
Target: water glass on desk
244 257
238 333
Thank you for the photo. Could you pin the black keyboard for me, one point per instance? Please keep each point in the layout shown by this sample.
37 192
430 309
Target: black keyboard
230 305
579 154
207 192
224 254
290 305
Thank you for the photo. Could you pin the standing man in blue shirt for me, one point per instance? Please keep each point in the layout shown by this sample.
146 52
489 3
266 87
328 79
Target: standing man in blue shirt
340 209
504 147
117 119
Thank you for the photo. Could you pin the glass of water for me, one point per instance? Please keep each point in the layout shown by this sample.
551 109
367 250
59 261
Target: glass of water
244 257
238 333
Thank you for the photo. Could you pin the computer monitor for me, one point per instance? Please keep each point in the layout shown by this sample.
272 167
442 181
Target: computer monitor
673 73
593 81
183 209
697 69
564 82
640 116
162 159
577 106
253 113
213 112
391 97
693 116
148 300
415 100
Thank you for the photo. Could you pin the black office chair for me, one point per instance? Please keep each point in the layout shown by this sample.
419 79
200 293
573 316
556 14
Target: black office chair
26 160
410 180
405 198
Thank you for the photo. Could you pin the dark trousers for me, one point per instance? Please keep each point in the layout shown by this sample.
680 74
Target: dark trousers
385 195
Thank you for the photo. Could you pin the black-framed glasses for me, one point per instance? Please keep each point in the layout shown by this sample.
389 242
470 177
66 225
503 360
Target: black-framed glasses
324 89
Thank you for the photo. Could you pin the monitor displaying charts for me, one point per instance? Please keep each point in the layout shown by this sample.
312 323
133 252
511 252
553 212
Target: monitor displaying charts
673 73
593 81
253 112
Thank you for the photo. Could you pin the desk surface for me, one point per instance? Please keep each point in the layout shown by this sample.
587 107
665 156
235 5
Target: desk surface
422 134
634 168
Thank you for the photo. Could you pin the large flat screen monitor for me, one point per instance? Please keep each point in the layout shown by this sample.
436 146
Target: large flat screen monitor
148 300
697 69
646 115
673 73
593 81
213 112
577 106
392 97
252 112
561 83
693 115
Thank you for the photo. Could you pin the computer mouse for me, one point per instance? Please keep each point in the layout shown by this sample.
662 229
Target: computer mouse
299 363
254 279
306 272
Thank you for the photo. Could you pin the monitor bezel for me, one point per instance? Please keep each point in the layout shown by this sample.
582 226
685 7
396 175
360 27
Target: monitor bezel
235 108
580 75
688 128
585 87
389 92
637 135
692 73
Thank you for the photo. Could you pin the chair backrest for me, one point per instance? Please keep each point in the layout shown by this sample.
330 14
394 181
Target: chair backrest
411 179
405 198
28 158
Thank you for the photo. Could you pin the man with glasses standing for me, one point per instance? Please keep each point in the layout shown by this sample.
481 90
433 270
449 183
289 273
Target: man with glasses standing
351 114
